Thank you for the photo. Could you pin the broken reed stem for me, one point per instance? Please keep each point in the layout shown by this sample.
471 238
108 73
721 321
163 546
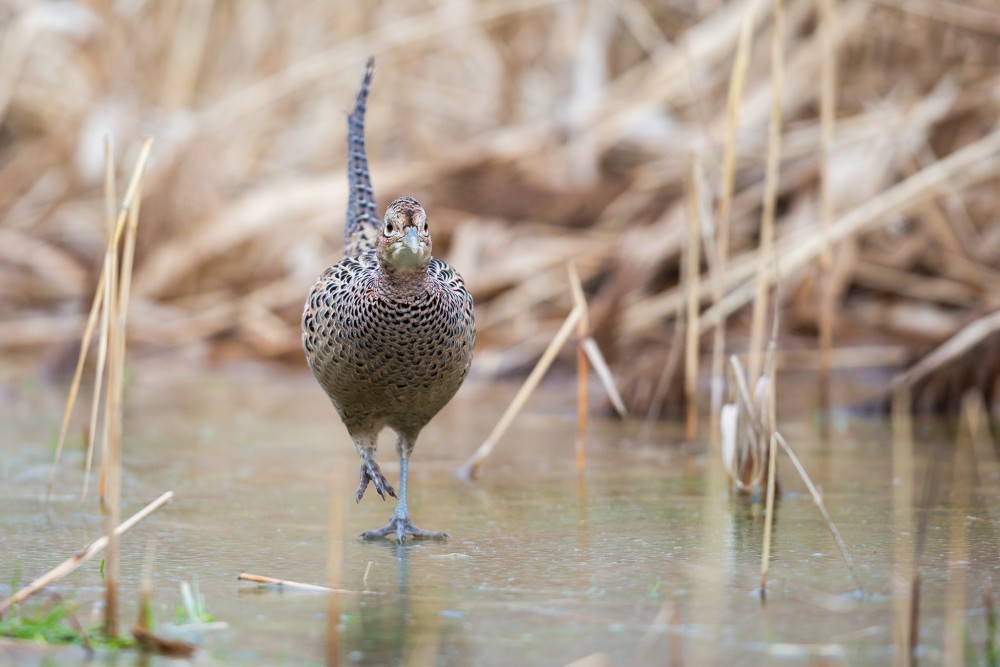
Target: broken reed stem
825 288
82 557
74 387
583 333
765 555
770 193
747 410
284 583
600 367
822 508
470 468
737 84
692 263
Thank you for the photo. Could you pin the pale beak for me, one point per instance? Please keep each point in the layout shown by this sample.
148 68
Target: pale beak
411 240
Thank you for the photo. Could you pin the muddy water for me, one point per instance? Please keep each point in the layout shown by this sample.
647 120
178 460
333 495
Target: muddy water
645 560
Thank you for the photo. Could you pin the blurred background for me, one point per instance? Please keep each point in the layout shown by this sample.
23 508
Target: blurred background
534 132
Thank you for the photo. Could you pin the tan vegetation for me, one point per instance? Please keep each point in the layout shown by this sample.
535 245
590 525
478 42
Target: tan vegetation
534 132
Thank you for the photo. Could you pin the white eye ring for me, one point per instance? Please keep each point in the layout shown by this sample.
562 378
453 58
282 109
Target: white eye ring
388 229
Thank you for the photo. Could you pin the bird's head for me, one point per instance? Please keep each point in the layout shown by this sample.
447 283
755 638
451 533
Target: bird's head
404 242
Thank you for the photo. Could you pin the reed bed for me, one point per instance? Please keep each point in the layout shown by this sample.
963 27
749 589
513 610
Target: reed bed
534 131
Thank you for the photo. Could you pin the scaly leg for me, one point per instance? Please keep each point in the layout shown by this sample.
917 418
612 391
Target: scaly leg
400 524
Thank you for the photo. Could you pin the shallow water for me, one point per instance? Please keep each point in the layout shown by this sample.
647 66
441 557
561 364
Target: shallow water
645 559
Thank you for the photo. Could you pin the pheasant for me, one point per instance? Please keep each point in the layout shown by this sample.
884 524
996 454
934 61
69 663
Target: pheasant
389 330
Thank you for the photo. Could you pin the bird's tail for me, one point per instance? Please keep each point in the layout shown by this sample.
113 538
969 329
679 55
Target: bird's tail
361 226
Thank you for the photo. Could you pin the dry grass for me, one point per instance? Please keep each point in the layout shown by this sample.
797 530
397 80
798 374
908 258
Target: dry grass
533 131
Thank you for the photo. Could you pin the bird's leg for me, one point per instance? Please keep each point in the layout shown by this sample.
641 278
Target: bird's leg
371 472
400 525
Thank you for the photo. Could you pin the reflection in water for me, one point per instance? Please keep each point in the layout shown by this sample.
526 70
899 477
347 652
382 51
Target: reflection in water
404 627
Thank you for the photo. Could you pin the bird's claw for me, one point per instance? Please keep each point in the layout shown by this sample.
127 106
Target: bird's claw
371 472
400 528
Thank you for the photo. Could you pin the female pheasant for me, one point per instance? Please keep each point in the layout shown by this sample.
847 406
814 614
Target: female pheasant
388 331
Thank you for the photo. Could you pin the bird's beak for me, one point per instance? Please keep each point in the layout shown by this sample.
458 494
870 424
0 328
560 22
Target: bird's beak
411 240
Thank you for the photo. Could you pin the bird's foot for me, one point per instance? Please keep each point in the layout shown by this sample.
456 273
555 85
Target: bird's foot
400 528
371 472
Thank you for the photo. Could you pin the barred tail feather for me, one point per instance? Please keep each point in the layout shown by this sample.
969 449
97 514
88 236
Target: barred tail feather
362 222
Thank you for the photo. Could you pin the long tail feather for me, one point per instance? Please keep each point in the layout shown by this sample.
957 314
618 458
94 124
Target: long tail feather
362 222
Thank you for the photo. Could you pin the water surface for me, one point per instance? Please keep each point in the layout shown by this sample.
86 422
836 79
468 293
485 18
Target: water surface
645 559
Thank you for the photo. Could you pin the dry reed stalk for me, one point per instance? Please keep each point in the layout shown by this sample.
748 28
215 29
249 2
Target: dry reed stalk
818 499
865 356
119 279
963 341
692 263
963 478
828 105
83 556
930 494
951 13
737 84
902 501
110 255
742 442
111 448
771 177
765 555
583 333
187 49
667 374
976 419
470 469
965 167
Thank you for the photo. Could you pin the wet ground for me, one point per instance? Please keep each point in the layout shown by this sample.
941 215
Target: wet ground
644 560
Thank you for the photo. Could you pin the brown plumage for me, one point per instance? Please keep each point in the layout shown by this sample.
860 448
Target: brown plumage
388 331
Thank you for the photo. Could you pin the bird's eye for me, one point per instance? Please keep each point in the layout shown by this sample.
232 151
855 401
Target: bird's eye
389 229
425 228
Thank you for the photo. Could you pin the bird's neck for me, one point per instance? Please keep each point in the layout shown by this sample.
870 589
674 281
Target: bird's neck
403 280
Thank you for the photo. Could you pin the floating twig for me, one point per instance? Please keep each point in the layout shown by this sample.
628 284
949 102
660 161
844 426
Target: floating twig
285 583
